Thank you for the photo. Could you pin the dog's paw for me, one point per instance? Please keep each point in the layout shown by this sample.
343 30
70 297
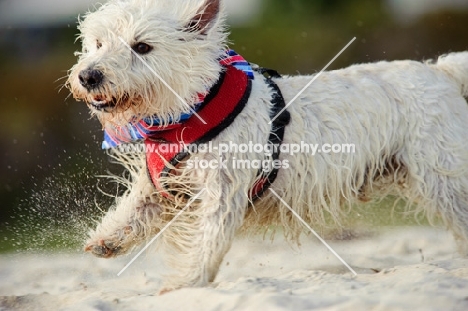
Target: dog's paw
123 228
106 248
103 248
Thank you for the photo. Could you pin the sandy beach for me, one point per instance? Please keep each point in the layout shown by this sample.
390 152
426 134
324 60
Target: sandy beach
405 268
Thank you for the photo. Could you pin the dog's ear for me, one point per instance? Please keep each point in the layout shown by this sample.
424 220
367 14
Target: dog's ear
204 18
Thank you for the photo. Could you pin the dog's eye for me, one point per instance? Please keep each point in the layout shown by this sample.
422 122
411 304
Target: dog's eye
142 48
98 44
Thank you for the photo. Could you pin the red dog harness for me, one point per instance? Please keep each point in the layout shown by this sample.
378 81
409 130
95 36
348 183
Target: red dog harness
226 99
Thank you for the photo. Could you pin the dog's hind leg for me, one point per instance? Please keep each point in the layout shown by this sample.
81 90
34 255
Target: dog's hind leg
442 191
453 207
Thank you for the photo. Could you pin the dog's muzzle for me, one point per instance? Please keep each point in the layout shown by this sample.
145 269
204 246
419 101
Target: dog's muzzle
92 80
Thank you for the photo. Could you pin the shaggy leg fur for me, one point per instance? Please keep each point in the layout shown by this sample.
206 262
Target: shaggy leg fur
206 238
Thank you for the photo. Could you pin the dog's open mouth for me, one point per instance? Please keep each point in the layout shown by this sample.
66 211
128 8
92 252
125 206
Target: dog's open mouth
102 104
108 104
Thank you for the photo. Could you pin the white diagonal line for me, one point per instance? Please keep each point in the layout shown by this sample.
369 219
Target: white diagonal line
160 232
312 81
313 231
162 80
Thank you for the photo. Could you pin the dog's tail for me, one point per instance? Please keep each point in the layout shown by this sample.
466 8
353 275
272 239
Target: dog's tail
456 66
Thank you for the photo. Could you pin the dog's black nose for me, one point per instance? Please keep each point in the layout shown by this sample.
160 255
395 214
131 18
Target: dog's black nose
90 79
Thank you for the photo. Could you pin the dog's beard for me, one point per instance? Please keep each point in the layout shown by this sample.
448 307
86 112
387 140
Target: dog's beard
113 107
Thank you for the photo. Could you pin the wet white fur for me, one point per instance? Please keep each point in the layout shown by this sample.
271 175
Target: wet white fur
408 120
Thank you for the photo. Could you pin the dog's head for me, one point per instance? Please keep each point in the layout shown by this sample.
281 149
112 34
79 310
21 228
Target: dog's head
142 58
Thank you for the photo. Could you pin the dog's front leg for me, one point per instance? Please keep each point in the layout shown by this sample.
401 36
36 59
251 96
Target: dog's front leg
134 218
203 234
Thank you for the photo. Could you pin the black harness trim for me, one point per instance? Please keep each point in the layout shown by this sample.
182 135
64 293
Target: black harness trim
276 135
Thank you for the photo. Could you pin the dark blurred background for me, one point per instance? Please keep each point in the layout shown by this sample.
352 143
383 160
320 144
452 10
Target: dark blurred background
50 148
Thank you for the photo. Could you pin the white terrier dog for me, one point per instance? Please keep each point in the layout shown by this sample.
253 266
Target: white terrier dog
159 71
